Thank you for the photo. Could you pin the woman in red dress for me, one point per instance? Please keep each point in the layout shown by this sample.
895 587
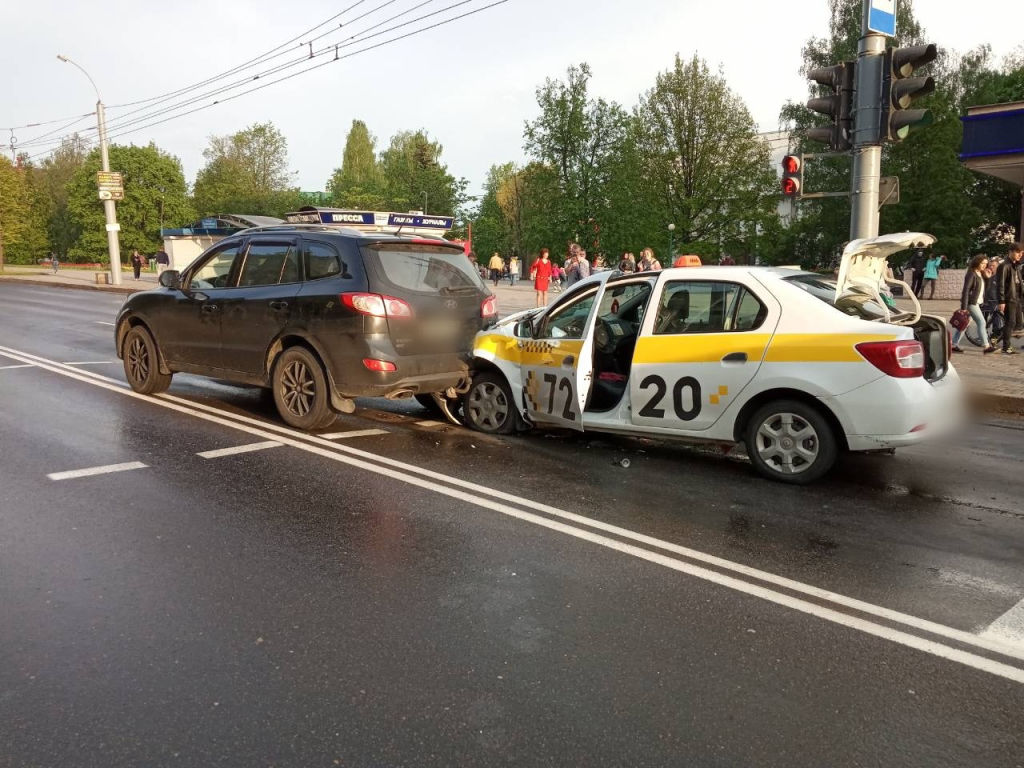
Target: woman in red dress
541 274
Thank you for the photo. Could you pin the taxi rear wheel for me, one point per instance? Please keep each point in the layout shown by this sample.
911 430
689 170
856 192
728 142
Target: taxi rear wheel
790 441
489 406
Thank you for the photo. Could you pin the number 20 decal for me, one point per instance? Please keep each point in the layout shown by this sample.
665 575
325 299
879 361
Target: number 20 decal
651 409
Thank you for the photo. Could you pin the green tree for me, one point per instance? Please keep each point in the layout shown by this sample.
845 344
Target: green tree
22 216
247 172
414 176
55 175
154 193
575 139
358 183
705 168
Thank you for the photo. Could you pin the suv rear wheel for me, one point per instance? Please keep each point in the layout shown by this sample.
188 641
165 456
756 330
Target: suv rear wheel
790 441
300 390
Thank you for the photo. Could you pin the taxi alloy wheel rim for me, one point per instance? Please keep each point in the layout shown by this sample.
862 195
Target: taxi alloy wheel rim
299 388
487 405
788 443
138 360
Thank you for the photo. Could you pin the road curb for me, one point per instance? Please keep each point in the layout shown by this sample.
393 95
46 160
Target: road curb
83 287
990 402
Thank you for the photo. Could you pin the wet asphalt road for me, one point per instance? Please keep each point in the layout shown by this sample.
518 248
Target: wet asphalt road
431 596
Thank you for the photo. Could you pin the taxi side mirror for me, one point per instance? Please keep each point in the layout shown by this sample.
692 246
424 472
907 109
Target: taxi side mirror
170 278
523 329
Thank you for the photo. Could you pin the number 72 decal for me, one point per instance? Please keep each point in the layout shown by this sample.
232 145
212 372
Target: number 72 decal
553 384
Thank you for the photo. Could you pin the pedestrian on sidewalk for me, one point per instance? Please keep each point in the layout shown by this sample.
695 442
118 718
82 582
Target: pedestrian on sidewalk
1011 291
931 275
163 261
136 263
495 265
916 263
513 270
54 262
647 261
971 298
540 273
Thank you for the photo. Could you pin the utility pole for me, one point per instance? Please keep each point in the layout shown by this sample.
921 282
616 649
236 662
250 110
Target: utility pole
113 246
867 145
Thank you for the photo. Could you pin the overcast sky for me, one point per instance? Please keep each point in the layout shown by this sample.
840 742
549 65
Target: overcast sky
469 84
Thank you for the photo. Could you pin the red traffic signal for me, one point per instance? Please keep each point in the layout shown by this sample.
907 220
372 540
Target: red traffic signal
792 175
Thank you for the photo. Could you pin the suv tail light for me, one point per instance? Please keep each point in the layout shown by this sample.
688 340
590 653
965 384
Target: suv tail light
376 305
900 359
489 307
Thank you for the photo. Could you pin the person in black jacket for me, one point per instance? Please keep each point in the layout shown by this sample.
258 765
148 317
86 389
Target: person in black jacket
916 263
1011 291
971 298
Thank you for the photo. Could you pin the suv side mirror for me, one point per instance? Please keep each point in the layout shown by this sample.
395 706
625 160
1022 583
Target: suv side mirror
523 329
170 278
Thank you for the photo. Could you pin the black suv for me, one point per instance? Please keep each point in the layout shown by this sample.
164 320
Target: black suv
319 314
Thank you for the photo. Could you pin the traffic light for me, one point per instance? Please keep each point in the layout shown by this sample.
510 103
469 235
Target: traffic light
792 175
899 90
838 106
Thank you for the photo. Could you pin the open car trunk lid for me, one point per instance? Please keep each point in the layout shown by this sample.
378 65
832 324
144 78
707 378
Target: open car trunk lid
863 274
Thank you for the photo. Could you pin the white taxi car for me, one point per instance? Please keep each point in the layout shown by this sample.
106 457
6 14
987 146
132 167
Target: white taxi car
796 366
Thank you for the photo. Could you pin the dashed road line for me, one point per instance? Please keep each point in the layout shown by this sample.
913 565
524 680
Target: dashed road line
11 367
102 322
430 424
1009 627
216 454
91 362
354 433
71 474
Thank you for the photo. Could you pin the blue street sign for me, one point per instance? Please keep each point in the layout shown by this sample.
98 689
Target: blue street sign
882 17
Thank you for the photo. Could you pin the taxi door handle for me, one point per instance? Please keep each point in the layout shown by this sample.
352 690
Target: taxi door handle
569 360
735 357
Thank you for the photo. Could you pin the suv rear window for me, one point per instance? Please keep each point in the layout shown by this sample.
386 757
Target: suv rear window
424 268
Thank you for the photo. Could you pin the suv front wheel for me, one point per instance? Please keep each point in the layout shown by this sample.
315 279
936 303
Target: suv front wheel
300 390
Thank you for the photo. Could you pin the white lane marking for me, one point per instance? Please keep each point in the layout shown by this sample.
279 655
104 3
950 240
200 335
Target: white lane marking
96 470
1009 627
102 322
430 423
337 453
91 362
354 433
239 449
12 367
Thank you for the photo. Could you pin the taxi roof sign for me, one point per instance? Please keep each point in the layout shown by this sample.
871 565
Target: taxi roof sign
412 222
687 260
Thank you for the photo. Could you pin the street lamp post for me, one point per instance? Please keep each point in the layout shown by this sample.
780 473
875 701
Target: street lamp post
671 244
113 245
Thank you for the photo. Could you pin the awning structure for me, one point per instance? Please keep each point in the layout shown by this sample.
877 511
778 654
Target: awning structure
993 144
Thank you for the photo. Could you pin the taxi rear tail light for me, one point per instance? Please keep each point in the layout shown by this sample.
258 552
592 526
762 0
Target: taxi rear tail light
489 307
376 305
900 359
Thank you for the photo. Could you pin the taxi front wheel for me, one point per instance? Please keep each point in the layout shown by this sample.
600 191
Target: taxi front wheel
489 406
790 441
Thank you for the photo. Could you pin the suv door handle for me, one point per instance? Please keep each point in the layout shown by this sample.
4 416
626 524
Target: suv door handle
209 309
280 306
735 357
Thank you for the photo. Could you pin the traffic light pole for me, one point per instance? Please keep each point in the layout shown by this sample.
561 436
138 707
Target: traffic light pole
867 144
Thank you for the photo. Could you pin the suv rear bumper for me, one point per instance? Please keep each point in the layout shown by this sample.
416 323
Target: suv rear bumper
415 374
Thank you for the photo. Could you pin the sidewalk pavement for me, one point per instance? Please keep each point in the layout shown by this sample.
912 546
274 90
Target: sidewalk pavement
995 382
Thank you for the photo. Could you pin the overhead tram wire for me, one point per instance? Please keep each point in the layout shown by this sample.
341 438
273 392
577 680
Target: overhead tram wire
37 140
120 121
265 56
114 125
326 50
322 64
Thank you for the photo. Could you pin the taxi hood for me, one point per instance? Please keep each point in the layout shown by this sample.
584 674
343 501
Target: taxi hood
864 261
